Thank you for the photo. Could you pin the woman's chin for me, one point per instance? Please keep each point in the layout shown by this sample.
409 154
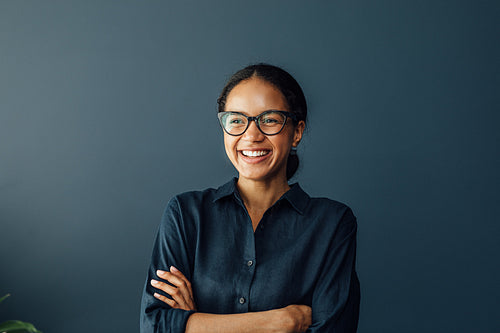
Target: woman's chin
260 176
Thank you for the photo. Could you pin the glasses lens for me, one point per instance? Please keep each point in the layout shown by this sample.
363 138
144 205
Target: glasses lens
271 122
234 123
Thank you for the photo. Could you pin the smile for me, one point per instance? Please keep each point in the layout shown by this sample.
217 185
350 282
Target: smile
255 153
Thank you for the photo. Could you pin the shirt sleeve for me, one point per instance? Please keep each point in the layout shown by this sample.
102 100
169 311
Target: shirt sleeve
336 298
170 249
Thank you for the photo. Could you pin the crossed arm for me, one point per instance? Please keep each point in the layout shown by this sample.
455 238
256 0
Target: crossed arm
290 319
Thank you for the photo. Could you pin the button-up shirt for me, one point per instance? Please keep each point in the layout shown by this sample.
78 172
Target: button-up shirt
302 252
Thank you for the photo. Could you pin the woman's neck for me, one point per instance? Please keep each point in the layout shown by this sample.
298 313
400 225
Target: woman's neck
258 196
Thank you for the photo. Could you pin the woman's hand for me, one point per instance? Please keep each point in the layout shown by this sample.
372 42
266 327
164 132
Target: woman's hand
180 290
297 318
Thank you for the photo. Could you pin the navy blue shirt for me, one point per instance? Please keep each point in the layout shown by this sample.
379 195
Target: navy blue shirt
302 252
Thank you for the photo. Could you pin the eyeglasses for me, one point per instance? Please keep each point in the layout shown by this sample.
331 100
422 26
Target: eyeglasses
269 122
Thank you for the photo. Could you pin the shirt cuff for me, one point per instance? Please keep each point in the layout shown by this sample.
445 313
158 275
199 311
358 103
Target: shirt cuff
178 319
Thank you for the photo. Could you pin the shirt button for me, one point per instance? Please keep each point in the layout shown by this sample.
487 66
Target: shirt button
242 300
249 263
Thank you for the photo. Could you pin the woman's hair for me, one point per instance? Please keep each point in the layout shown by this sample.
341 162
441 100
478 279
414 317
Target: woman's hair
285 83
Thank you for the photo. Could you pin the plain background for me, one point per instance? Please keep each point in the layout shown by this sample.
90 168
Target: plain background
108 109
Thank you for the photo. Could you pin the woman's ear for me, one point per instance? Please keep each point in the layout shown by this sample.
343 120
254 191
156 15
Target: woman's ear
297 134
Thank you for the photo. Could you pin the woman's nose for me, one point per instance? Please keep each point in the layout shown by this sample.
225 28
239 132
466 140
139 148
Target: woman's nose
253 132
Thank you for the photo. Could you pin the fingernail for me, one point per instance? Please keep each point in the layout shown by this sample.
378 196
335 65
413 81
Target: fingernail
160 273
173 269
156 295
154 282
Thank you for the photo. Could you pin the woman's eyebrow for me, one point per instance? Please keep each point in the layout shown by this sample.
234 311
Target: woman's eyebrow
246 113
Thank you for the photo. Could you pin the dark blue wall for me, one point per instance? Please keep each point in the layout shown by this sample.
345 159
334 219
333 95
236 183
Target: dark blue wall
107 109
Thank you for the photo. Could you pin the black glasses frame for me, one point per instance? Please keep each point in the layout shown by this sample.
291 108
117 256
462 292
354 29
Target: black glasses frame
256 119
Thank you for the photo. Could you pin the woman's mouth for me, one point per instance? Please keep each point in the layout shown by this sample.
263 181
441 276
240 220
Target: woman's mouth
254 156
255 153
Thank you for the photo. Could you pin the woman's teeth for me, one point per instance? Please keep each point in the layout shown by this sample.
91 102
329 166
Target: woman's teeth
255 153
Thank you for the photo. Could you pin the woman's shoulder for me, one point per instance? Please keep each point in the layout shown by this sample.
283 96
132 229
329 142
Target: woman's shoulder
185 208
319 207
328 204
320 210
205 196
331 218
193 196
333 208
313 203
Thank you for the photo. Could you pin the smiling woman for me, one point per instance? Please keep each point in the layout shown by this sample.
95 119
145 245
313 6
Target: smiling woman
257 152
257 254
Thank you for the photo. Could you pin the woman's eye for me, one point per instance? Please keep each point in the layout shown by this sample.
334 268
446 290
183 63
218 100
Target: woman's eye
270 121
235 121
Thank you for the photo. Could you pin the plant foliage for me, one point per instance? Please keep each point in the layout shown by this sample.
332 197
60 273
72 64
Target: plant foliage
16 326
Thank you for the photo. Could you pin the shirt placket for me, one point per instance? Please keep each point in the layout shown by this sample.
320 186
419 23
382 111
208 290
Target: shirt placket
247 263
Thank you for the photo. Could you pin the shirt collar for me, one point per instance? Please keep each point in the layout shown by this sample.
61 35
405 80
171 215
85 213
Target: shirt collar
295 195
226 189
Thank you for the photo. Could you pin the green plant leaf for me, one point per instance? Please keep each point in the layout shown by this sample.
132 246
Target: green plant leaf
4 297
16 326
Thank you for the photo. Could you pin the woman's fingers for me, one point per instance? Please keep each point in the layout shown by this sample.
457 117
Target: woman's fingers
171 302
179 280
179 274
183 285
180 290
177 301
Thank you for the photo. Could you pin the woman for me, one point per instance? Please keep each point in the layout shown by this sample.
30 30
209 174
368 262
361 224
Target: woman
256 254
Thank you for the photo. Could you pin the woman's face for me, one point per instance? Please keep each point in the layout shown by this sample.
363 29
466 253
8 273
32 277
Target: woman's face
252 97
